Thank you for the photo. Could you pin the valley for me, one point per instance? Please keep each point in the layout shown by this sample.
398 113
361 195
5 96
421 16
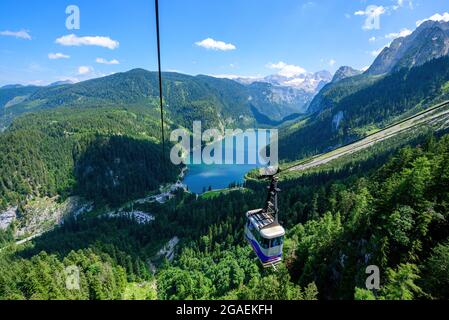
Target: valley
364 180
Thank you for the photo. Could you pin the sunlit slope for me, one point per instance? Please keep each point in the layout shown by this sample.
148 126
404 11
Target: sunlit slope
436 117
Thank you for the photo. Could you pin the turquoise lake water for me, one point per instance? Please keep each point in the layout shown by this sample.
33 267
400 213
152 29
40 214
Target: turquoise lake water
220 176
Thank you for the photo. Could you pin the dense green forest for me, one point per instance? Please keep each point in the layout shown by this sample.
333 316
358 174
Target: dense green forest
395 217
384 101
61 152
390 213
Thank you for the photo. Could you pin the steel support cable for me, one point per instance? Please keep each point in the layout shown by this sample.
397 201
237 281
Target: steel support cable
161 100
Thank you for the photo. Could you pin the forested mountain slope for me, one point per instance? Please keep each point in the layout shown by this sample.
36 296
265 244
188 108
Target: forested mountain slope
333 92
216 102
429 41
10 96
395 218
186 97
108 154
394 96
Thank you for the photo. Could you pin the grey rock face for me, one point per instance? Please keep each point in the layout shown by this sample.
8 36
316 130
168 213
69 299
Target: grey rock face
7 217
429 41
345 72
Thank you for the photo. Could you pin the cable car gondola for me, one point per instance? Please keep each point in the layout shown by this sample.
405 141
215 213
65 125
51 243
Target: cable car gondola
262 229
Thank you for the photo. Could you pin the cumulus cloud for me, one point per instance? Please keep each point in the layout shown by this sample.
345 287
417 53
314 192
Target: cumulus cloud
372 39
403 33
436 17
56 56
23 34
83 70
73 40
287 70
211 44
109 62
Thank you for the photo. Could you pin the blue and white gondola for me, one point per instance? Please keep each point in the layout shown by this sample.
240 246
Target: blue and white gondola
266 237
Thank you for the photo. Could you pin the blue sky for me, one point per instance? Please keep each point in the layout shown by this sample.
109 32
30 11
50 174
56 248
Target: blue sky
245 37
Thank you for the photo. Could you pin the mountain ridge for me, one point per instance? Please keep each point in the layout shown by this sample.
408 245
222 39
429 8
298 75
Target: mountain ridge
217 102
429 41
345 72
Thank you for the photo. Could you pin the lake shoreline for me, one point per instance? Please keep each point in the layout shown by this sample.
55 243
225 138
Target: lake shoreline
202 177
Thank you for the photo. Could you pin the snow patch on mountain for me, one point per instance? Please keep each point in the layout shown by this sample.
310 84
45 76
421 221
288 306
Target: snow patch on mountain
308 82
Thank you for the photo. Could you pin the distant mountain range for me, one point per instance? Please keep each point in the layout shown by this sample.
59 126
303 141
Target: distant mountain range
308 82
12 86
408 76
54 84
292 94
217 102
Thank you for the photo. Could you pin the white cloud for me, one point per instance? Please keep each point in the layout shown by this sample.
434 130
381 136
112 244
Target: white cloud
55 56
332 62
109 62
401 3
83 70
211 44
287 70
372 14
403 33
23 34
372 39
73 40
309 4
436 17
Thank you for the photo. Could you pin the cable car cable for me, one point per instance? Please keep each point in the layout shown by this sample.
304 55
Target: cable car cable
161 100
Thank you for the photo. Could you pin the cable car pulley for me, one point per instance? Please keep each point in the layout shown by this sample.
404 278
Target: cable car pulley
262 230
